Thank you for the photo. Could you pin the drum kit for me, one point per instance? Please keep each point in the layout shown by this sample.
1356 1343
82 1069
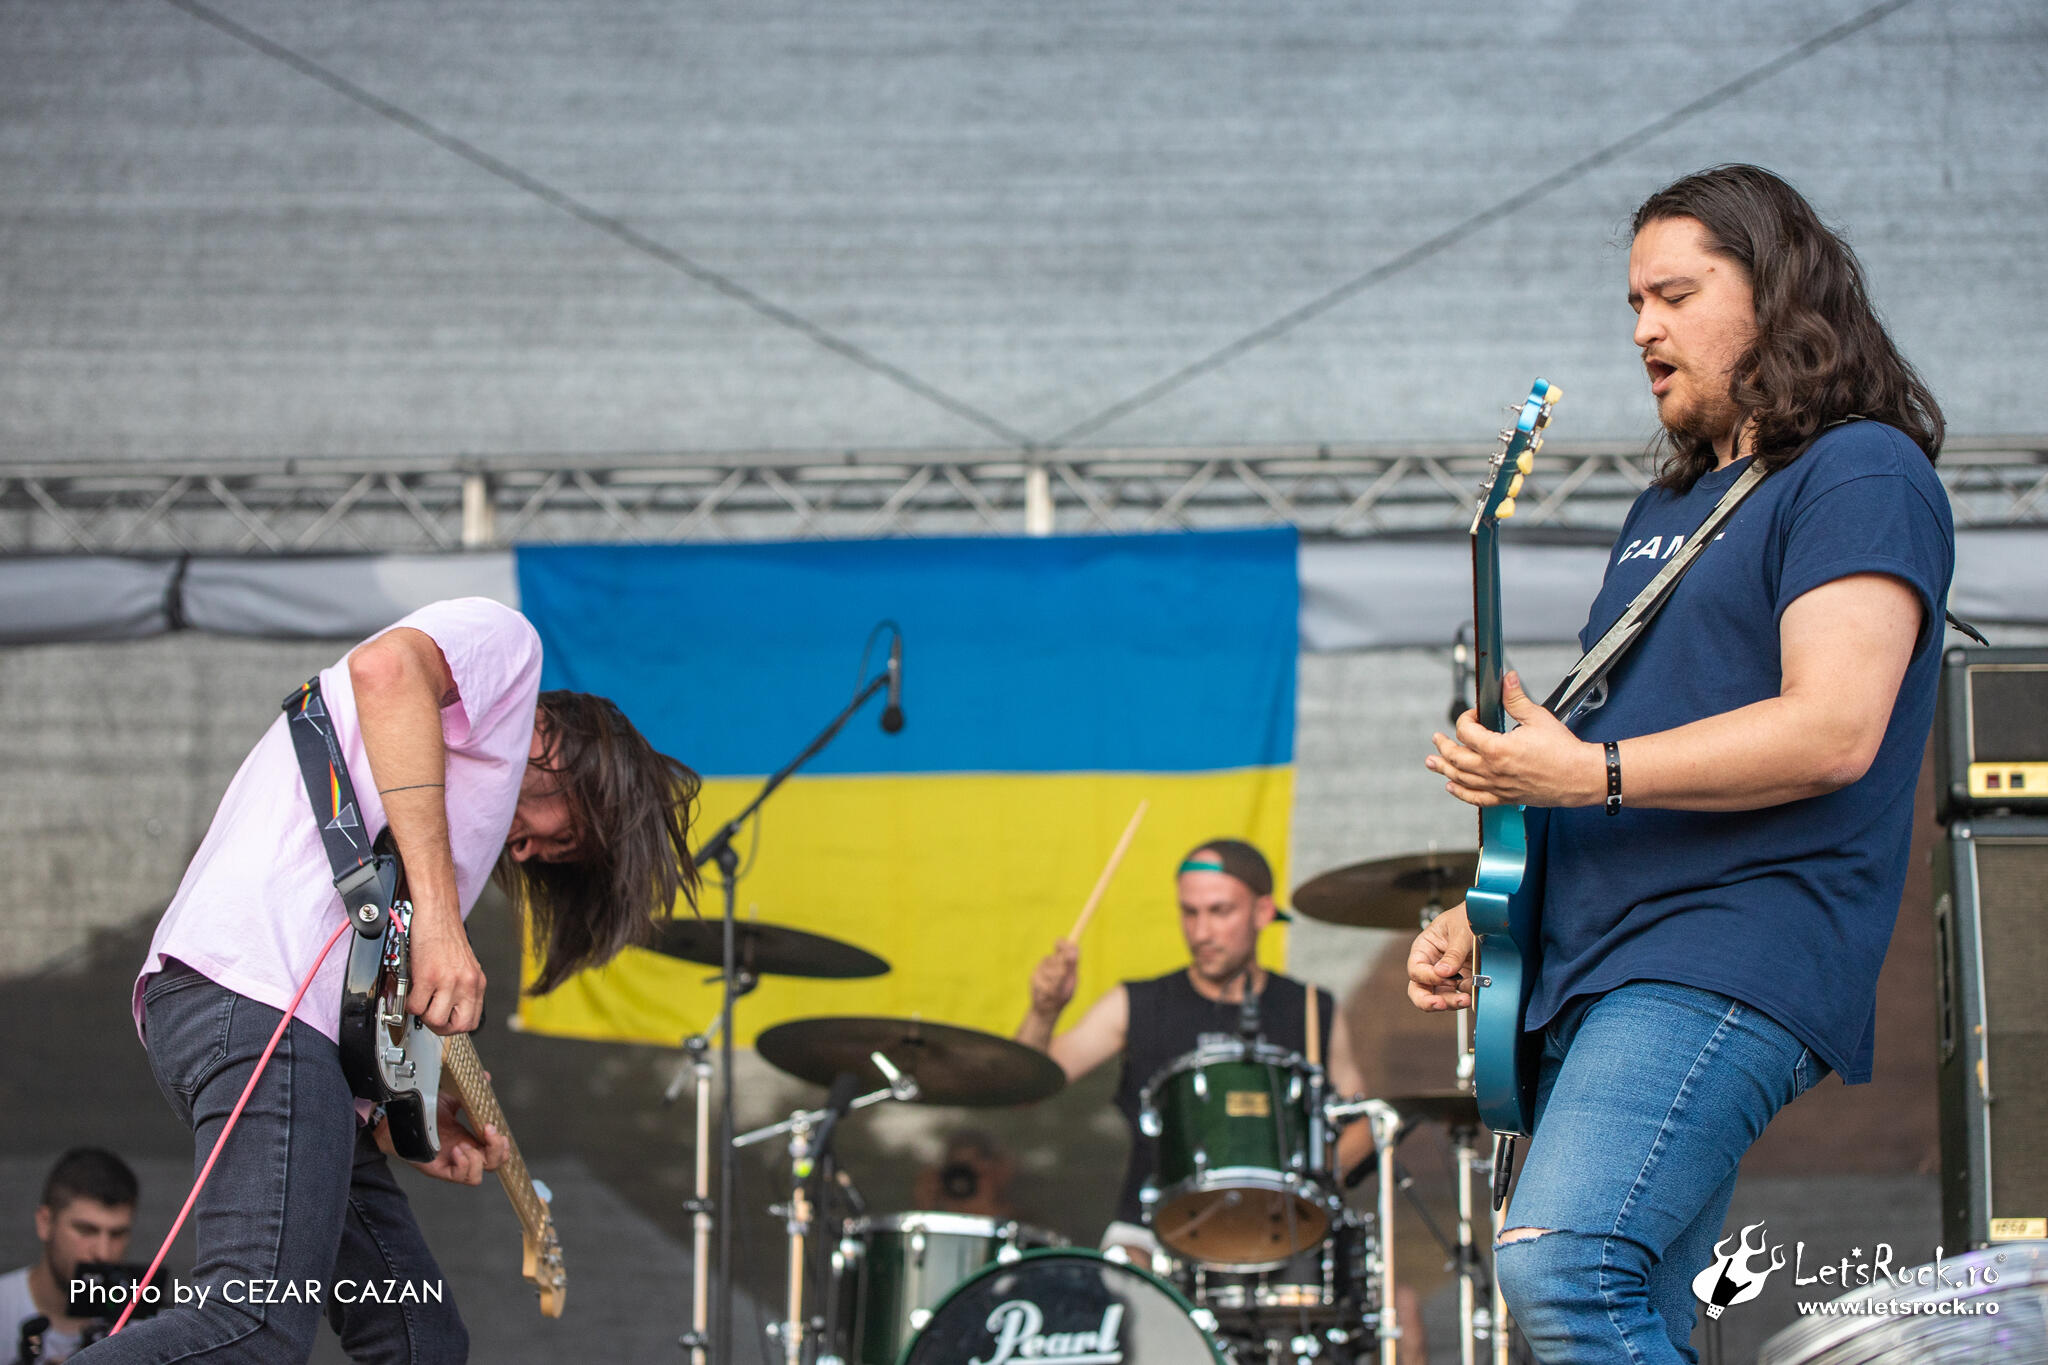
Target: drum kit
1262 1262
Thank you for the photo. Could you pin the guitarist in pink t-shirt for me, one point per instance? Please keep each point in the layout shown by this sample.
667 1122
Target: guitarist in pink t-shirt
472 770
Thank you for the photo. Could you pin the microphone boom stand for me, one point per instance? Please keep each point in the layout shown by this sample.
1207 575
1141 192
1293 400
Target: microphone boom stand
718 851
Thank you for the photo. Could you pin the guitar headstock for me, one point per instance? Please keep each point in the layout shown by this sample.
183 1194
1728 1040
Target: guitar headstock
543 1267
1516 457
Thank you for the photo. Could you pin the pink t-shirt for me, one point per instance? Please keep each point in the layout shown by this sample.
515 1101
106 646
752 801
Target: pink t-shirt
258 900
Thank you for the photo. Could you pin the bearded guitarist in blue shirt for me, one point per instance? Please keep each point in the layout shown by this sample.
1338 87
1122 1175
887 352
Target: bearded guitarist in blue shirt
1711 940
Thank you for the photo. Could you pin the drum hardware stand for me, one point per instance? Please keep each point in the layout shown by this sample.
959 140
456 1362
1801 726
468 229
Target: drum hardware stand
718 851
1475 1323
1386 1131
697 1341
800 1127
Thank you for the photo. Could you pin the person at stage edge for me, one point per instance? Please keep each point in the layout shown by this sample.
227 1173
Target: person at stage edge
451 743
1712 941
1226 899
86 1214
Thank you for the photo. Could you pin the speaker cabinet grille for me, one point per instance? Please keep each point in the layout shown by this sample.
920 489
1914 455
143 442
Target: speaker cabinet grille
2012 894
1993 912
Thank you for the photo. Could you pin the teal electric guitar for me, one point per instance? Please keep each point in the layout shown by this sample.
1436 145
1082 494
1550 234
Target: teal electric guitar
1505 902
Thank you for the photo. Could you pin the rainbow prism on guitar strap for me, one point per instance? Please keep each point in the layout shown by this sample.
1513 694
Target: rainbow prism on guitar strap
360 873
1505 905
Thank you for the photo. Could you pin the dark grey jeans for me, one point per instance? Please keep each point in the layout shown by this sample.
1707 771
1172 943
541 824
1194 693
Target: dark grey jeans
301 1215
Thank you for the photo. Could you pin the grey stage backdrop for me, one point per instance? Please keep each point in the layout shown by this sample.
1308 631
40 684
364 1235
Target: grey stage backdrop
260 227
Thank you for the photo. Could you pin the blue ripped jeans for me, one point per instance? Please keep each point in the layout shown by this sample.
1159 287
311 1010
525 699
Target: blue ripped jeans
1647 1098
300 1197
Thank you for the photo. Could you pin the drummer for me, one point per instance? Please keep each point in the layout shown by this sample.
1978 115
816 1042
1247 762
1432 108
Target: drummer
1226 898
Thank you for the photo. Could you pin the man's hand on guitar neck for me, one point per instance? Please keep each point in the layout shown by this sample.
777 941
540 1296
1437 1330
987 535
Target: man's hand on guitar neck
1538 763
1440 961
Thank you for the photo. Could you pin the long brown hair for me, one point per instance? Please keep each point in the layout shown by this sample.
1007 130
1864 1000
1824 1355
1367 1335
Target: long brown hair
631 808
1821 355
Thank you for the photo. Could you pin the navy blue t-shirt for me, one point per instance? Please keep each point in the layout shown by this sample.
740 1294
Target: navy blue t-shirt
1788 909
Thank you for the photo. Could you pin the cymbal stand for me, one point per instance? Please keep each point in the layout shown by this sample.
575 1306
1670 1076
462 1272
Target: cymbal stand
718 851
1386 1131
800 1126
697 1340
1475 1323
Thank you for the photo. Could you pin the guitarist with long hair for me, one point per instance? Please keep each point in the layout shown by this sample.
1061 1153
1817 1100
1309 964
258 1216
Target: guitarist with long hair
449 743
1729 819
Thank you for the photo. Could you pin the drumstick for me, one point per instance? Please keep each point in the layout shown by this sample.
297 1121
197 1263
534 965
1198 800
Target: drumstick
1108 871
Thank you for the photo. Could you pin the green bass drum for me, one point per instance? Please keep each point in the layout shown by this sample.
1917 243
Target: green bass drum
1067 1307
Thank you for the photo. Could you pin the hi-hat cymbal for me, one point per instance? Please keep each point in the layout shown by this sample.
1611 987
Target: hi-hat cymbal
766 949
1388 893
1452 1108
951 1065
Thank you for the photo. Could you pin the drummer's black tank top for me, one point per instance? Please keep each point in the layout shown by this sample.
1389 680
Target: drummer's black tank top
1167 1016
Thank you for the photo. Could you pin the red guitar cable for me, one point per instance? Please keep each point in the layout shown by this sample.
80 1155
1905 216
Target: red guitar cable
221 1141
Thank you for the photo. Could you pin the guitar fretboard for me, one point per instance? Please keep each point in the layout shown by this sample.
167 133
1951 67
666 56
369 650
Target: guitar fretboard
466 1070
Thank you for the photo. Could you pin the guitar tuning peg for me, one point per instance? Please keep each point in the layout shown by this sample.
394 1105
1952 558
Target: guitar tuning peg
1535 443
1552 395
1525 463
1507 433
1515 487
1505 510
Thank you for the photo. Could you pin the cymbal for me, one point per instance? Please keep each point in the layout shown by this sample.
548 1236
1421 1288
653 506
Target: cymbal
951 1065
1452 1108
766 949
1388 893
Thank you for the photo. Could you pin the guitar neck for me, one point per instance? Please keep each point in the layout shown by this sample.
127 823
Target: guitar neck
1488 648
466 1071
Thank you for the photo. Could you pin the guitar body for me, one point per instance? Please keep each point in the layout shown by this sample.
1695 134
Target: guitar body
1505 903
1505 907
389 1056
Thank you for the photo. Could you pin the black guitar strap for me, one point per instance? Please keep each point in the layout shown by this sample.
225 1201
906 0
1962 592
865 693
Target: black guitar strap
355 862
1630 625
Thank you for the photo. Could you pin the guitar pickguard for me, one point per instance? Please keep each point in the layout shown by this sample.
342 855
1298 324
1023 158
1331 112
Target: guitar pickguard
389 1056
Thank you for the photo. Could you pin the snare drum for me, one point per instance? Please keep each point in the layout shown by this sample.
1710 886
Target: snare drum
894 1269
1069 1306
1243 1155
1326 1286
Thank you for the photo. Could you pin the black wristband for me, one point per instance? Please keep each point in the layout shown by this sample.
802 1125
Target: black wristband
1613 777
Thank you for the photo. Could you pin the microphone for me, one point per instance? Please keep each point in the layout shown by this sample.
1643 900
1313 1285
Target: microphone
844 1085
1248 1012
892 713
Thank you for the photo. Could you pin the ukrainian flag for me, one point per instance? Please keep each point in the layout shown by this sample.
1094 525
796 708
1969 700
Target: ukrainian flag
1049 685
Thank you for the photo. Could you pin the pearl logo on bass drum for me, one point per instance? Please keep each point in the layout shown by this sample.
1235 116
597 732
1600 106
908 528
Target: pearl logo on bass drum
1063 1307
1019 1330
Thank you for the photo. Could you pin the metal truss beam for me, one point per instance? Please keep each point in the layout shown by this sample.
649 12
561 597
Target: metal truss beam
343 504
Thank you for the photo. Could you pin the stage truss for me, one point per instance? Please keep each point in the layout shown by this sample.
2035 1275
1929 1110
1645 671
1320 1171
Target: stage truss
343 505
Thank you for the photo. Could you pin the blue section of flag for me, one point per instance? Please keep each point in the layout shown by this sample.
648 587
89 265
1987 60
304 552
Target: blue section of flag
1159 653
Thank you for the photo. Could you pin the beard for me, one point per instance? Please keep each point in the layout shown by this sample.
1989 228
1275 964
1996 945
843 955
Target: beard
1693 416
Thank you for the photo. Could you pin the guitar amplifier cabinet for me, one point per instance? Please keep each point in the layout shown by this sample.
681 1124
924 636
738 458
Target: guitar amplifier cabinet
1991 732
1991 956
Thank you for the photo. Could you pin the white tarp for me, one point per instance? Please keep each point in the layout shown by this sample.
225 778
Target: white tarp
1374 594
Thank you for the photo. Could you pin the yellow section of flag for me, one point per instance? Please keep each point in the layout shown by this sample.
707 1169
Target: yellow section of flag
962 882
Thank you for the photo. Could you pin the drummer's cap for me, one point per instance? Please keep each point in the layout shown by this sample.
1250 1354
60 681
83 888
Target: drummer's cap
1235 857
